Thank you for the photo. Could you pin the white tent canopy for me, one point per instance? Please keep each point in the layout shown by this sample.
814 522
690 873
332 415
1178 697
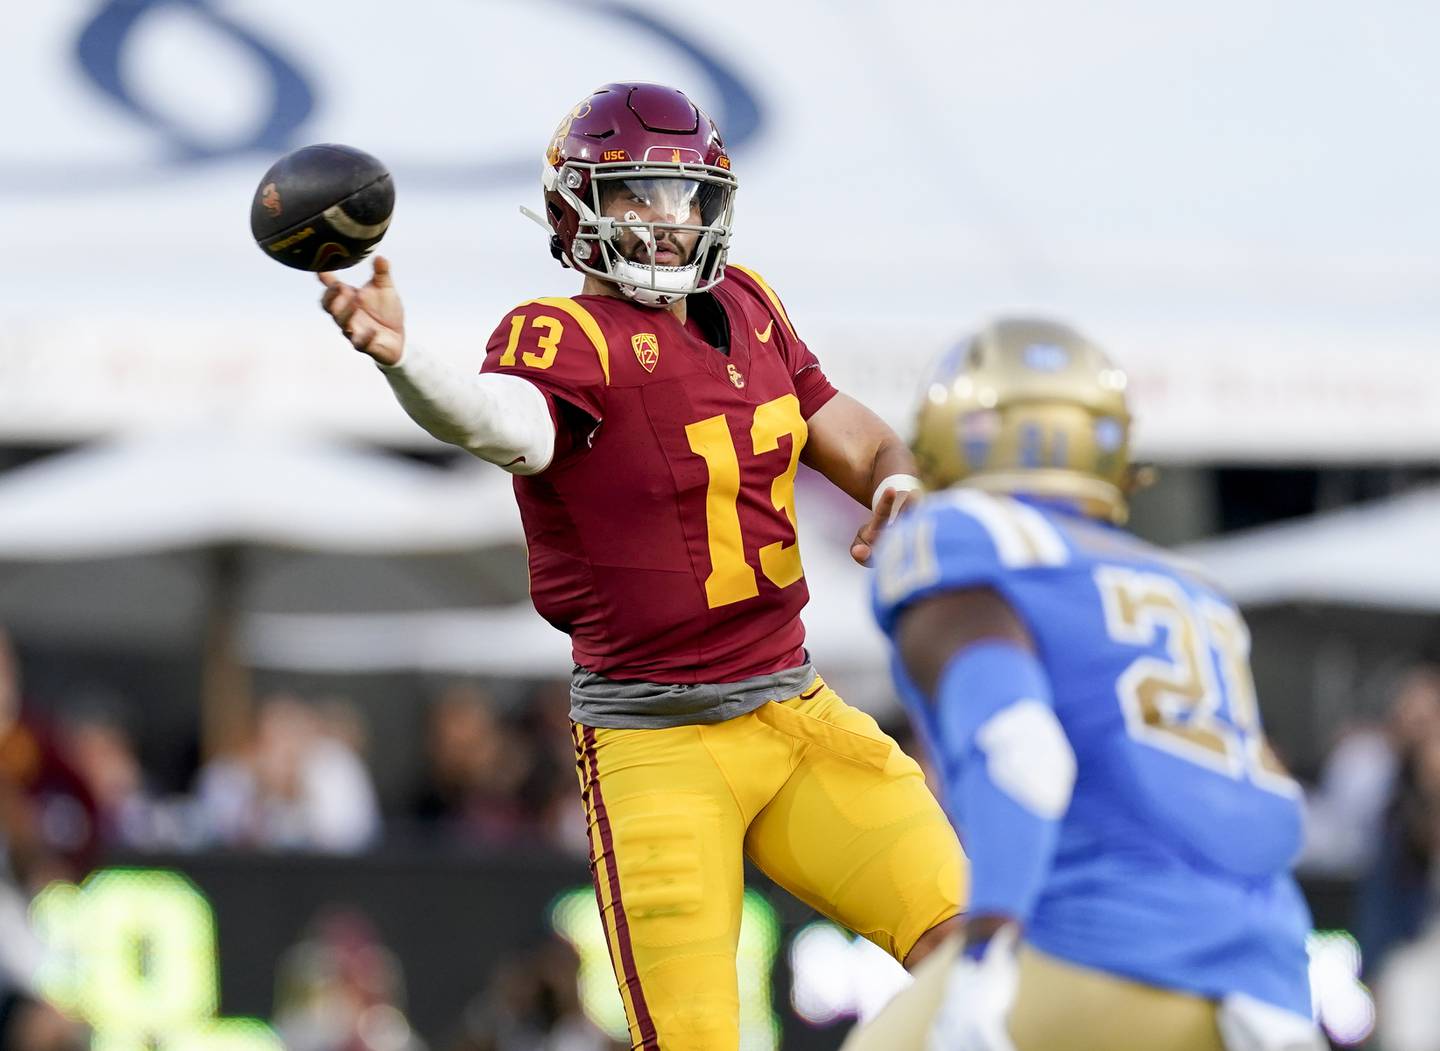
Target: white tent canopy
116 542
1380 555
160 540
126 542
513 640
167 490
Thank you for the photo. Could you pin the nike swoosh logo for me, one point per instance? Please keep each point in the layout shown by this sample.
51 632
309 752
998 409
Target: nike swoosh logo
764 337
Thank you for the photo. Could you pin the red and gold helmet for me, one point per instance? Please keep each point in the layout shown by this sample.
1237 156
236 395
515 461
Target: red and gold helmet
658 148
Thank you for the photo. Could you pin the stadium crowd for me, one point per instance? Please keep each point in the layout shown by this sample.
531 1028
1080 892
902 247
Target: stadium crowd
496 775
1374 815
300 779
73 791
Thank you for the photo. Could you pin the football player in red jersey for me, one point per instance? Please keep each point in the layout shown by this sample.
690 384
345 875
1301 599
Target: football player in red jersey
654 424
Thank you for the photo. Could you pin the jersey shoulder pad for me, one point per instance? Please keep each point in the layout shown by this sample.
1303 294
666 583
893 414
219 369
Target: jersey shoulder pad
538 332
961 539
742 277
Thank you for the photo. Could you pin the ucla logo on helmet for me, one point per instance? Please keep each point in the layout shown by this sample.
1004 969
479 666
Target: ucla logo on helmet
978 431
1046 357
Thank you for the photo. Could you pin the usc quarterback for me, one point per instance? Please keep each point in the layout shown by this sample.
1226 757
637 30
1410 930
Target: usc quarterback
1088 698
654 424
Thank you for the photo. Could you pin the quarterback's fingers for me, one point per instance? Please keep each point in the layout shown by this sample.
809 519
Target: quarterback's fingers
904 500
361 334
887 507
342 299
860 547
884 511
327 279
381 278
331 294
860 551
345 312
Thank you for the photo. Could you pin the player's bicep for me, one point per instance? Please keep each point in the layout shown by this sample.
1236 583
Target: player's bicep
932 630
843 439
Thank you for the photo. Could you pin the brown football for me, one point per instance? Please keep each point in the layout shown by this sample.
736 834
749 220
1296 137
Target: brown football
322 207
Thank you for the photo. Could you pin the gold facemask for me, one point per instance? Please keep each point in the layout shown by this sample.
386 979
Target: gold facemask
1028 406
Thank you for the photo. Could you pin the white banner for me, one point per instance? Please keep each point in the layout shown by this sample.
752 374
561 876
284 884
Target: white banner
1237 200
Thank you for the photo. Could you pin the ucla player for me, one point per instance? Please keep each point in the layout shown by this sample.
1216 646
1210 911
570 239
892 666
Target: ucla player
1088 700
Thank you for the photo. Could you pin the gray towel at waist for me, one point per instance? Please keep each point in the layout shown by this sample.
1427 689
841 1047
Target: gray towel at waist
598 701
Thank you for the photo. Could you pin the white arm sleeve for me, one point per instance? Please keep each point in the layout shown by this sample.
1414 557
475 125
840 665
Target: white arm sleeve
499 418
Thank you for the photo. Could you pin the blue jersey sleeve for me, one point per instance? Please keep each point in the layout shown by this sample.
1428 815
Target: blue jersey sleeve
955 540
1008 772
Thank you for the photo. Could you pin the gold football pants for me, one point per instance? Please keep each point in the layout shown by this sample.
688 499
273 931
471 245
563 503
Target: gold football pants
810 790
1060 1007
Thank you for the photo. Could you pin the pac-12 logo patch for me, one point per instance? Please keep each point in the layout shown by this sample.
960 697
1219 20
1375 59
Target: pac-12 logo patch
647 349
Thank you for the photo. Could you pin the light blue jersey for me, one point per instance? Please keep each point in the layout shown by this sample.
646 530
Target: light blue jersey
1172 860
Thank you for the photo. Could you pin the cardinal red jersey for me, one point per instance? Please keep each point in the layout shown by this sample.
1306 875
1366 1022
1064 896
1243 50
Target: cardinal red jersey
663 541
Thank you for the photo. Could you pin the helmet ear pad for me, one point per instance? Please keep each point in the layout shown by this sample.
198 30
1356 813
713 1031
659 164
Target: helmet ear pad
565 211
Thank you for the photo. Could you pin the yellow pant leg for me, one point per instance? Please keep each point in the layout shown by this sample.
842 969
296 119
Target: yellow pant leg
666 846
854 832
1059 1007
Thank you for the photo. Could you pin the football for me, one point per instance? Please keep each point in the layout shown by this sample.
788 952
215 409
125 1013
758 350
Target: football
322 207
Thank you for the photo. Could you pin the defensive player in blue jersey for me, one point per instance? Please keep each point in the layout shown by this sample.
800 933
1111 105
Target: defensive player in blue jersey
1089 703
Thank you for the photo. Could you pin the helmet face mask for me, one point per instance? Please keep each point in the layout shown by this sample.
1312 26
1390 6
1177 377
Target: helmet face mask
685 206
1028 407
635 170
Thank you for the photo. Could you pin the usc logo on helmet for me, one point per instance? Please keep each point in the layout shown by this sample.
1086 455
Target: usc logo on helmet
563 131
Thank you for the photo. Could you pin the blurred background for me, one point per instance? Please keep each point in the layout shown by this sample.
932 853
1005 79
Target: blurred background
283 748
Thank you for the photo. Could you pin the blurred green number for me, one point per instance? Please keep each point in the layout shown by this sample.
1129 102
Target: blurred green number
133 953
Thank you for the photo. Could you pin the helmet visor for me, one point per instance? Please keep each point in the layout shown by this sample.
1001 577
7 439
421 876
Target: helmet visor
682 202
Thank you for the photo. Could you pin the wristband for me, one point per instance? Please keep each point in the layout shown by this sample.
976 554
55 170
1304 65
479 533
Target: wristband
901 483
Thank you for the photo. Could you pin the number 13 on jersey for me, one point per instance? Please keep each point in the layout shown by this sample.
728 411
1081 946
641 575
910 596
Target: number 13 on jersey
732 578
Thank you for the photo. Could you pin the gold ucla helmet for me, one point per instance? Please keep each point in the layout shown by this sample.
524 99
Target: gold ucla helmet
1028 406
